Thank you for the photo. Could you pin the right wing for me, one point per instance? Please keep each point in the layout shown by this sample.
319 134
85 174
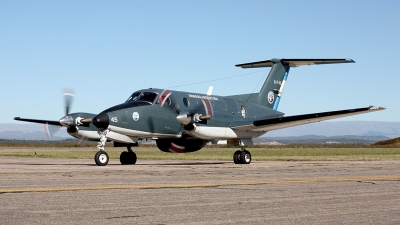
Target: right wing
291 121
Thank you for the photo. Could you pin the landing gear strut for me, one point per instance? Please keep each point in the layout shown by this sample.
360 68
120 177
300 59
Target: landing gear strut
242 156
128 157
101 158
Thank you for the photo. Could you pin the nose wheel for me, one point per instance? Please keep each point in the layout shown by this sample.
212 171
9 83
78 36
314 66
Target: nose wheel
101 158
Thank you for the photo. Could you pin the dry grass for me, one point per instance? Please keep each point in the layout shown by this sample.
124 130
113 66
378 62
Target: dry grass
258 154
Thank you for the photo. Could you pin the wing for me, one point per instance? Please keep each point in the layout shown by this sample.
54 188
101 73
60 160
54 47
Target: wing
50 122
291 121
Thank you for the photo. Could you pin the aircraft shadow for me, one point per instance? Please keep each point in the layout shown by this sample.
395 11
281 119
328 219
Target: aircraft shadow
184 164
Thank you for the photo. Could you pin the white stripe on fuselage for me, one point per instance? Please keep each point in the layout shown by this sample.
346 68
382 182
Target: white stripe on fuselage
221 133
111 136
141 134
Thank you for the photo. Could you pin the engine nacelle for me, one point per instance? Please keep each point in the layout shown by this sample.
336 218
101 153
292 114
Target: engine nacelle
180 145
72 130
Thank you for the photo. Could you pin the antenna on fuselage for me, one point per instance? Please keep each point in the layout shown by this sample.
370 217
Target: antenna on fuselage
210 90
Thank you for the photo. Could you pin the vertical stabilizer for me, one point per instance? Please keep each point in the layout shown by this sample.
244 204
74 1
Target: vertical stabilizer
272 89
271 92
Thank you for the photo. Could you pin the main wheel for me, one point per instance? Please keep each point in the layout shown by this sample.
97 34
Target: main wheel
127 158
101 158
236 157
245 157
123 158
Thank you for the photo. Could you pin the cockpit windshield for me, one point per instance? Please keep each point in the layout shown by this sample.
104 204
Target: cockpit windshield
142 96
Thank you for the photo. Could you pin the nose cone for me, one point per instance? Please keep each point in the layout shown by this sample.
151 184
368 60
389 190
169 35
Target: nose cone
66 121
101 121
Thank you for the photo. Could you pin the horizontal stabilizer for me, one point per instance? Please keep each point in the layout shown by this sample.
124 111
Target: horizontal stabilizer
293 62
290 121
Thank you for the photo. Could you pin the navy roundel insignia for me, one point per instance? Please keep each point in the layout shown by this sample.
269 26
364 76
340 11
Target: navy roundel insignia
271 97
135 116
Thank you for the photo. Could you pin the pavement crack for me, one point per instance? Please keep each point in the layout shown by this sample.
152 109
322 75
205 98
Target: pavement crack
121 217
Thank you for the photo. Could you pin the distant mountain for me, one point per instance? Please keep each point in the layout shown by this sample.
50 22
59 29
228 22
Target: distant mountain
318 139
337 128
29 131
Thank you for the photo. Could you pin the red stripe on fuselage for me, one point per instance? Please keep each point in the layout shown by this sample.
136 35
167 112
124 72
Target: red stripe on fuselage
176 148
164 95
208 106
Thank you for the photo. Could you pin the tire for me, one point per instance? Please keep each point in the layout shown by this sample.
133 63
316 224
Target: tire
123 158
131 158
127 158
101 158
236 157
245 157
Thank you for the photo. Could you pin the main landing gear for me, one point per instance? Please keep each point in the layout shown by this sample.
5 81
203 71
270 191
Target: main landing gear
128 157
242 156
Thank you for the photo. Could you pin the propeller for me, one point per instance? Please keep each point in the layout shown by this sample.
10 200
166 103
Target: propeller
68 120
68 96
65 121
71 121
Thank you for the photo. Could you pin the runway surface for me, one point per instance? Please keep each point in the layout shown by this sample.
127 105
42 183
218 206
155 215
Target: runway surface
72 191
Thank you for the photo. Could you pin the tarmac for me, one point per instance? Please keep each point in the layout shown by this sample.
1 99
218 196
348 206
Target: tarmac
76 191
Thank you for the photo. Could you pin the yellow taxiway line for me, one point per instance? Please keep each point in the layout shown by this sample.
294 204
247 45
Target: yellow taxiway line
194 185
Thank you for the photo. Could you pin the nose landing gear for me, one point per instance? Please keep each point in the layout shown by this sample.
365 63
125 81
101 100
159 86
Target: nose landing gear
101 157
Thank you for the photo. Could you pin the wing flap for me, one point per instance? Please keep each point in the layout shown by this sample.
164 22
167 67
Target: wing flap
290 121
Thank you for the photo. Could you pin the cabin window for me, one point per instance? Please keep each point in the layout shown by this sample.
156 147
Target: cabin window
186 102
243 111
142 96
168 101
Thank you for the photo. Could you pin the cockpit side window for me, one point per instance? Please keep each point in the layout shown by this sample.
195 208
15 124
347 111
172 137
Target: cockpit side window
142 96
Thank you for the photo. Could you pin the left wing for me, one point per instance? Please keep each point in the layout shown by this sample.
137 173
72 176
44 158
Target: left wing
50 122
291 121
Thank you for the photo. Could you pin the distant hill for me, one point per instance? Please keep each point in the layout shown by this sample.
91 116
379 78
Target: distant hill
395 142
319 140
337 128
29 131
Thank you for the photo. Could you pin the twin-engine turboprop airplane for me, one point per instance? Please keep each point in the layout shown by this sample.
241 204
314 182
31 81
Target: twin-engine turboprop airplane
183 122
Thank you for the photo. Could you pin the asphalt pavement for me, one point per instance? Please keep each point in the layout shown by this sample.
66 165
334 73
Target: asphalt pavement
76 191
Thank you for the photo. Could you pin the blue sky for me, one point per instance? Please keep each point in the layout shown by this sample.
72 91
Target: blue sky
105 50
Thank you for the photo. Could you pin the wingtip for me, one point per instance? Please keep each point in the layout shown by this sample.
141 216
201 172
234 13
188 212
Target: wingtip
376 108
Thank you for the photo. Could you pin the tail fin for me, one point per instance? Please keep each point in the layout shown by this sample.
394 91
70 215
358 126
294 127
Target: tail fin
271 92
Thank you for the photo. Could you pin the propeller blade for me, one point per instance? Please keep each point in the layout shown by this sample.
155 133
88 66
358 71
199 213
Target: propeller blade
206 117
50 130
87 120
68 96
